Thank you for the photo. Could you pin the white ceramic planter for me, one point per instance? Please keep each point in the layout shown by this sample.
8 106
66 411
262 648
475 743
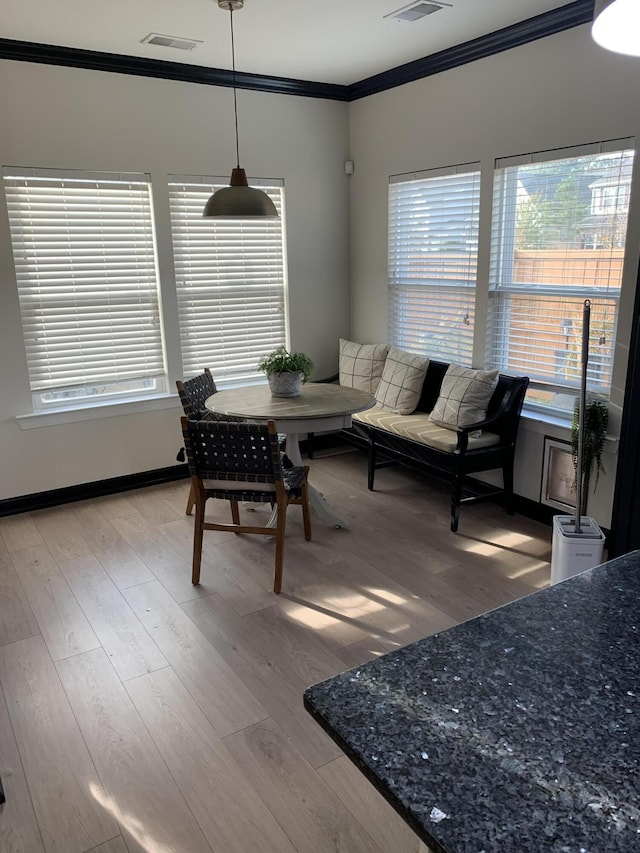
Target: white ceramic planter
286 384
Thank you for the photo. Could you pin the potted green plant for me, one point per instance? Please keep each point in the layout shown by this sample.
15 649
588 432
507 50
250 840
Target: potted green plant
286 371
596 419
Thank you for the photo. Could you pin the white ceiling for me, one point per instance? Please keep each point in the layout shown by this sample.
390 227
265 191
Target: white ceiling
328 41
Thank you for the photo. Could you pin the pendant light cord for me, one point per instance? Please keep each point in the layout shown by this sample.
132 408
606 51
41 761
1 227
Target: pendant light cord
235 99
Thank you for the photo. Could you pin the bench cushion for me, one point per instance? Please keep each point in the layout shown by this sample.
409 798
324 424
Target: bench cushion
418 427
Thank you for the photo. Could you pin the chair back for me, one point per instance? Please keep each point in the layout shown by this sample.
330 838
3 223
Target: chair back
194 393
227 452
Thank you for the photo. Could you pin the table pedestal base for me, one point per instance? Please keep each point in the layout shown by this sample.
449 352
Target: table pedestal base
320 407
317 503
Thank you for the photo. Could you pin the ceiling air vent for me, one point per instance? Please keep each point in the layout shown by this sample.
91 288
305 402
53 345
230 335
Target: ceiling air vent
170 41
415 11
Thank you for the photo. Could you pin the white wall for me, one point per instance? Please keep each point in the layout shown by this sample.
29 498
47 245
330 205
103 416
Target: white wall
55 117
559 91
562 90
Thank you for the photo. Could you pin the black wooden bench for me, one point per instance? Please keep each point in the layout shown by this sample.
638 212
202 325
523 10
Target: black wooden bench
466 456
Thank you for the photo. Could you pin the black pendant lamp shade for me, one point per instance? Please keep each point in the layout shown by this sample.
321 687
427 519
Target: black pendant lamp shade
238 200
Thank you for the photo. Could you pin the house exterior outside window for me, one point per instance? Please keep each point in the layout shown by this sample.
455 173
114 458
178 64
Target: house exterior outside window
610 198
558 238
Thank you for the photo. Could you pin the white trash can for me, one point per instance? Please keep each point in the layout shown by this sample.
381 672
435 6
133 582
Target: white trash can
571 552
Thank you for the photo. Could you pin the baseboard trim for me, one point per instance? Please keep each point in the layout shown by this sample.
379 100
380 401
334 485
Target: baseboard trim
541 512
523 506
534 510
85 491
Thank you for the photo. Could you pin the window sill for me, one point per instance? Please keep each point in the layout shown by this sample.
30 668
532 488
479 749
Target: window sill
53 417
540 422
556 425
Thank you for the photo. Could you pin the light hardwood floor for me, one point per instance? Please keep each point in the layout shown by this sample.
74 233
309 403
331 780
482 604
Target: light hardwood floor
139 713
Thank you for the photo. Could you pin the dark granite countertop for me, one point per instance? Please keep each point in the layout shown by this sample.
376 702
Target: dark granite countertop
515 732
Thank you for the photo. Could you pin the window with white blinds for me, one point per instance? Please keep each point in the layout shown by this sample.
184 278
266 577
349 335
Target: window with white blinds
433 250
558 237
84 254
230 281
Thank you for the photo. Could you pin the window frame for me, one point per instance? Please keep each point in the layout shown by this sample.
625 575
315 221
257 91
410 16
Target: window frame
79 298
432 289
264 243
503 288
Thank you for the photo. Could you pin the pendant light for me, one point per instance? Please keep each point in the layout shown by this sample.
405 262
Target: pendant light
238 200
616 26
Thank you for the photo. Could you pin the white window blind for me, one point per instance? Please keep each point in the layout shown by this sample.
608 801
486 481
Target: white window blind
84 254
558 238
230 280
433 250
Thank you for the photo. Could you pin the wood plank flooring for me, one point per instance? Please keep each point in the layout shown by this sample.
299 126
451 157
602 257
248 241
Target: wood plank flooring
139 714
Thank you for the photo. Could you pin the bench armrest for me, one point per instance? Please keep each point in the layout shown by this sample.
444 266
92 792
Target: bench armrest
503 419
487 422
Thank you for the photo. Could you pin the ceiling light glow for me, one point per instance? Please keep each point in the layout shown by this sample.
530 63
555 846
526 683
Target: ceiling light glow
616 26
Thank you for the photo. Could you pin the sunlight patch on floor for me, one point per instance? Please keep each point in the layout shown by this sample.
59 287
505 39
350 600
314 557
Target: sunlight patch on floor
534 567
387 596
494 544
397 629
129 823
510 540
347 606
482 548
543 584
353 605
311 618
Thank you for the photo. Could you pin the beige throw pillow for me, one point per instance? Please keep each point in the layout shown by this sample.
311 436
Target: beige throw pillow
361 365
402 380
464 396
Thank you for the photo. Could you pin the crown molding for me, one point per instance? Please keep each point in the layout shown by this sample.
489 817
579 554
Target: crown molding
116 63
541 26
555 21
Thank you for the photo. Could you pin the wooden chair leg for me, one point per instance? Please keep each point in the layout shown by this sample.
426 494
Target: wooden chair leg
306 515
191 500
198 531
280 532
235 513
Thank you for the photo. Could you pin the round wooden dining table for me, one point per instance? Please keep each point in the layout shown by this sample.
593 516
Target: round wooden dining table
320 407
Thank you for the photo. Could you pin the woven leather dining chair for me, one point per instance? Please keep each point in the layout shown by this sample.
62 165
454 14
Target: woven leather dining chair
242 462
193 395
